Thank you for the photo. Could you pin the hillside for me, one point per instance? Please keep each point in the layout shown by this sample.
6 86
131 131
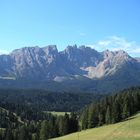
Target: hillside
45 100
127 130
27 116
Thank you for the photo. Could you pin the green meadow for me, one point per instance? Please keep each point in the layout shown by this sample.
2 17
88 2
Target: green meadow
126 130
57 113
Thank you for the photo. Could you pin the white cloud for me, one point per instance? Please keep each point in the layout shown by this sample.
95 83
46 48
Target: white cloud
114 43
3 52
104 43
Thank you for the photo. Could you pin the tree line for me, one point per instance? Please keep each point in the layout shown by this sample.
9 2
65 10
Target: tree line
111 109
16 99
50 127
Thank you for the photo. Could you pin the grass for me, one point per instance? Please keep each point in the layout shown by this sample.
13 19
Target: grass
58 113
127 130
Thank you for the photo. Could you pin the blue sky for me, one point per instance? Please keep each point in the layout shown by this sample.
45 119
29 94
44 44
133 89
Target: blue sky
68 22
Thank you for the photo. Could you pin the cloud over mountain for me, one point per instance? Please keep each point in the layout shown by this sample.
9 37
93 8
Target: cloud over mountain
3 52
114 43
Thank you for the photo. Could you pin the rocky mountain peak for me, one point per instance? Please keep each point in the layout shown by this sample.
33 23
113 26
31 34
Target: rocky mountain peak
137 59
83 60
71 49
72 64
51 49
25 50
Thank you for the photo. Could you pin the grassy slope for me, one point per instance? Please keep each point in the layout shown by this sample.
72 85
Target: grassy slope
127 130
59 113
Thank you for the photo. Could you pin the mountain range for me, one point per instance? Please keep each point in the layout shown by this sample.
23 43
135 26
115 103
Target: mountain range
73 69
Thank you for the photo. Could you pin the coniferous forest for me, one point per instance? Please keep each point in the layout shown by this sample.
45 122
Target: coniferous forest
111 109
24 120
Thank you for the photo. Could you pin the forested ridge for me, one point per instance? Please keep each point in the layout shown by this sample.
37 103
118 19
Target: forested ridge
45 100
111 109
25 122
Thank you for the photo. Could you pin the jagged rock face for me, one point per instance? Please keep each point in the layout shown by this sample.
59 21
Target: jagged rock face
138 59
32 62
109 64
82 56
49 64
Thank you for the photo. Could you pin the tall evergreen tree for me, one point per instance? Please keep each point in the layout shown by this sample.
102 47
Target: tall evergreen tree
24 134
73 123
116 116
125 113
9 135
91 113
108 116
84 119
43 131
66 124
93 116
126 107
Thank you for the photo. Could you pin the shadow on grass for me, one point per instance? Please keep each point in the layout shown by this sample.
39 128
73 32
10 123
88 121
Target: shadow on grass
131 118
128 119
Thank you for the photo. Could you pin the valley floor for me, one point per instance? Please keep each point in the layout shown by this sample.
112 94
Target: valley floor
127 130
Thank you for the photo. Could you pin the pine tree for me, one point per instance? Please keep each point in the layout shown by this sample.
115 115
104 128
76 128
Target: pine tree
1 134
91 113
108 116
24 134
16 134
126 108
43 131
125 113
73 123
9 135
93 116
116 112
84 119
101 115
66 124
